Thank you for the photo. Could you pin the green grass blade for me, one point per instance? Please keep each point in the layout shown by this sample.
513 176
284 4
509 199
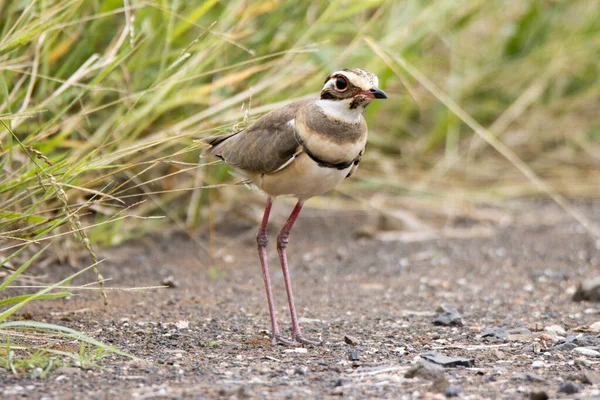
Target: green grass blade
50 296
67 332
22 268
7 313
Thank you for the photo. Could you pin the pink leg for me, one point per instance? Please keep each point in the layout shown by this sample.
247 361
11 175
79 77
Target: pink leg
282 241
262 240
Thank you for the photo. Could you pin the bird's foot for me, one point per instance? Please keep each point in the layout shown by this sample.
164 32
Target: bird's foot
298 337
298 341
278 340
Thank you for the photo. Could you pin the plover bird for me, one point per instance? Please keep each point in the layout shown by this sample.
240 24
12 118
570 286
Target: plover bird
302 150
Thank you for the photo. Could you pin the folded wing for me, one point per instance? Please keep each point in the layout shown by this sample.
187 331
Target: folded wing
267 145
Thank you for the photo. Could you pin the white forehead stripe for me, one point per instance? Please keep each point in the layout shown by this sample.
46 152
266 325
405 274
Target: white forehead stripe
330 84
364 81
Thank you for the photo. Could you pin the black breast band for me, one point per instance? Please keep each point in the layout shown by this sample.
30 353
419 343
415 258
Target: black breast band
320 162
326 164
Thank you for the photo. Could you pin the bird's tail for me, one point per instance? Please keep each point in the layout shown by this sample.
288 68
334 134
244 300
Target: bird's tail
214 142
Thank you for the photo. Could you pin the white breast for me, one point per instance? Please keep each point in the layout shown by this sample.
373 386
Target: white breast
303 178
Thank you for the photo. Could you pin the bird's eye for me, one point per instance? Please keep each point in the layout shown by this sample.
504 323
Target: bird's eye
341 84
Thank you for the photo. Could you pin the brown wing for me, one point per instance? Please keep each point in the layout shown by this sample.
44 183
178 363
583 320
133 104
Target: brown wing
265 146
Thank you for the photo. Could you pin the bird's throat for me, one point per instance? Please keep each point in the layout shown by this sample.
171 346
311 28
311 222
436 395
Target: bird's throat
340 110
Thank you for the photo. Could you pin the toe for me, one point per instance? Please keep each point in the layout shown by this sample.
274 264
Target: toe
301 339
278 340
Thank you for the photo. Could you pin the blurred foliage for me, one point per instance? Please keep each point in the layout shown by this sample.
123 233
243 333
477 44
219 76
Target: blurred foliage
100 101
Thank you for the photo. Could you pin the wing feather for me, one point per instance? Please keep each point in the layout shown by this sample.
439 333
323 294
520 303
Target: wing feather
267 145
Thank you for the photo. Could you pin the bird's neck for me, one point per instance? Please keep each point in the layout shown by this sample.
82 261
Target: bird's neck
340 110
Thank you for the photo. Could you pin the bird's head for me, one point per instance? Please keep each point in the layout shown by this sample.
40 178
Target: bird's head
347 92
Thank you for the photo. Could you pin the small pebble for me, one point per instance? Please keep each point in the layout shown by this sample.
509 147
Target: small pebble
447 316
538 396
452 391
588 290
537 364
569 388
351 340
301 350
170 282
354 356
587 352
448 362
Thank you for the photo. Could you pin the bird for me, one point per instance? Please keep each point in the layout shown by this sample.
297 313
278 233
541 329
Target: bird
303 149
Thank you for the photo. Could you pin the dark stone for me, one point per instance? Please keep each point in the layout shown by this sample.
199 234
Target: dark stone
447 317
351 340
452 391
588 290
495 332
354 356
569 388
572 342
170 282
564 346
538 396
448 362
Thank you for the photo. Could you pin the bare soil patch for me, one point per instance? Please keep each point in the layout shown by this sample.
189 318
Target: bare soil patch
208 336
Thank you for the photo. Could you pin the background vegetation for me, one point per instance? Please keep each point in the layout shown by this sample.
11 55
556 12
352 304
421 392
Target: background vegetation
101 101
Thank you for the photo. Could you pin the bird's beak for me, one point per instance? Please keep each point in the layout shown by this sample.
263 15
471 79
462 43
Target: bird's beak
376 93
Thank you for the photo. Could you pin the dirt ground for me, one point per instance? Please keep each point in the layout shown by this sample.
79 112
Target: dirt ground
208 336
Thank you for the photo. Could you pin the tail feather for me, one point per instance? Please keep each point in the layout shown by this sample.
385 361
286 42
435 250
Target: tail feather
215 141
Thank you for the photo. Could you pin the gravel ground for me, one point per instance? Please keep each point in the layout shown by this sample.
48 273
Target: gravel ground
504 284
